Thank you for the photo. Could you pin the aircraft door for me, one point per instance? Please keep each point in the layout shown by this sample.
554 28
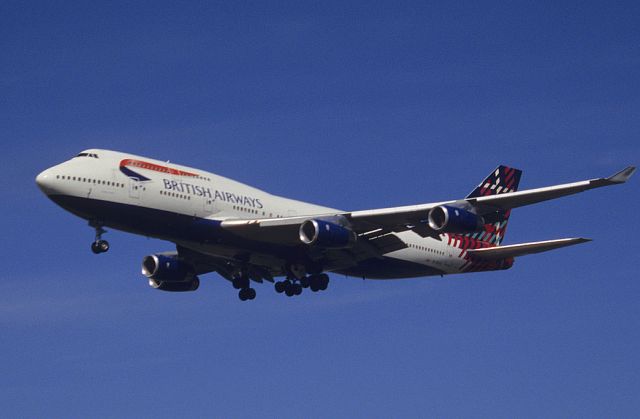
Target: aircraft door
134 189
209 205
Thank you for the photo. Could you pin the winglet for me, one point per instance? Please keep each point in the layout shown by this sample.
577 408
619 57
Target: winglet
623 175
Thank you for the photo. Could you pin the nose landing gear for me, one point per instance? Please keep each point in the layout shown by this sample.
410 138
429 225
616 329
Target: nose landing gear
99 245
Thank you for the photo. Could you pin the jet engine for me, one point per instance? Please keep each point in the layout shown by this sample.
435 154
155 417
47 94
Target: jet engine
168 273
323 233
448 219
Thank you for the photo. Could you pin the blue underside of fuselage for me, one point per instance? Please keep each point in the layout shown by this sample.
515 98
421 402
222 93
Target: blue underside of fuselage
171 226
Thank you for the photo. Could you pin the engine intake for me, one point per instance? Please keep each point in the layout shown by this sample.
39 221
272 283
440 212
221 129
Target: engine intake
325 234
445 218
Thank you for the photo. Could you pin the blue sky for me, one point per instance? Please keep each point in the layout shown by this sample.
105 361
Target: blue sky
354 106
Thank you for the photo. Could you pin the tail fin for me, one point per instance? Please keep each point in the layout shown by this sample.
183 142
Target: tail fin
502 180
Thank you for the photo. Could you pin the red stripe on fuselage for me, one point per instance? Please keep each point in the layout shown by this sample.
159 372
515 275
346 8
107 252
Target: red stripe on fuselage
155 167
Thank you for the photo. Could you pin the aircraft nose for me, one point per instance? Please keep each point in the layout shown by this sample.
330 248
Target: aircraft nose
43 180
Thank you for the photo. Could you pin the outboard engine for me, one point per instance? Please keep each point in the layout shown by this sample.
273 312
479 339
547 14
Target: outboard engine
448 219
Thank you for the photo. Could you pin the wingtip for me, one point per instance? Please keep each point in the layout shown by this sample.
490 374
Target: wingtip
623 175
577 240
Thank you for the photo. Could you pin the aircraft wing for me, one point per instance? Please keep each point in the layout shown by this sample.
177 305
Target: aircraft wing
515 250
396 218
377 224
532 196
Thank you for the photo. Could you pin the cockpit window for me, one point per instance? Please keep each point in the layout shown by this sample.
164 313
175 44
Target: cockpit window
95 156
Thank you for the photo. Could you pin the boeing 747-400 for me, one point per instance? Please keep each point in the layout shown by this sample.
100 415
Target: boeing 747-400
248 235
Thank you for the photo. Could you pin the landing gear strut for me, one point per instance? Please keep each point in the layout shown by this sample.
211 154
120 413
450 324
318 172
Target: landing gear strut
242 283
99 245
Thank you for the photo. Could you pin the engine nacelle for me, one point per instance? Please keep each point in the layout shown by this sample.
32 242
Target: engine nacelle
325 234
166 269
445 218
175 286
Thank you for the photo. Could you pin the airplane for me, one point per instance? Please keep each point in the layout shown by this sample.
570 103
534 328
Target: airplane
249 236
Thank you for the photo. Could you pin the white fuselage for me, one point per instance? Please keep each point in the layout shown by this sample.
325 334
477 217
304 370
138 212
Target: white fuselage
102 186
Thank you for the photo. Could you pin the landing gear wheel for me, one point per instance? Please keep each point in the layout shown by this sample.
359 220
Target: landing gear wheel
304 282
99 246
103 245
314 283
297 289
289 289
324 281
280 287
247 294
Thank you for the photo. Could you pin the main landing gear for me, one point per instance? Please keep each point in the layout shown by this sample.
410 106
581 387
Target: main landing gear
292 286
242 283
247 294
99 245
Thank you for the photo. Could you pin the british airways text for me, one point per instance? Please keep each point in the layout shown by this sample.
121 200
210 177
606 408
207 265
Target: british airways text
216 195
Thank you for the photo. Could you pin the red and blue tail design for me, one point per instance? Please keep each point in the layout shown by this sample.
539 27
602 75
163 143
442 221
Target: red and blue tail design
502 180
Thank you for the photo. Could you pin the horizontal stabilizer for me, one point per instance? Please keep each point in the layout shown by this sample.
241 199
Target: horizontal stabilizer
515 250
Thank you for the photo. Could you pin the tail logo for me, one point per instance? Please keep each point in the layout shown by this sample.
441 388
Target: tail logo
502 180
